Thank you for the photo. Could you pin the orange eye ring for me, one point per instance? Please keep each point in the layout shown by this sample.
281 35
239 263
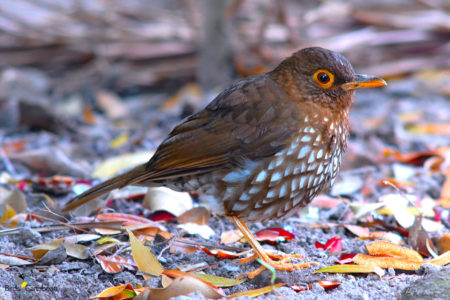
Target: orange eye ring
323 78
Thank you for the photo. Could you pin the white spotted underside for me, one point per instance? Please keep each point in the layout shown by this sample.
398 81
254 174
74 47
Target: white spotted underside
289 179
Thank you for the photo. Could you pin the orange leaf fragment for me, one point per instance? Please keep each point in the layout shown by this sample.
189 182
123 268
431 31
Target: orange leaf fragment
124 291
327 285
256 292
389 249
386 262
222 253
443 243
115 264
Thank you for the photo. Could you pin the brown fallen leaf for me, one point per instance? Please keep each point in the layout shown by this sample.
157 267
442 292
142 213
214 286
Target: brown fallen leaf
198 215
183 286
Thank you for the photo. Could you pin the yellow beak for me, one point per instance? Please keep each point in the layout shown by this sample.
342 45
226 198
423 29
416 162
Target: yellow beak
363 82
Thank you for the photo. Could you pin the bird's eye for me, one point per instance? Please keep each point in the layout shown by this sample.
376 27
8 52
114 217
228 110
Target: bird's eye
324 78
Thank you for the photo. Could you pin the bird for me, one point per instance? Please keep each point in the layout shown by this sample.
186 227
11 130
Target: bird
264 147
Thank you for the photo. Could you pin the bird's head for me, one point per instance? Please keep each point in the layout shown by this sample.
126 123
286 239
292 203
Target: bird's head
322 76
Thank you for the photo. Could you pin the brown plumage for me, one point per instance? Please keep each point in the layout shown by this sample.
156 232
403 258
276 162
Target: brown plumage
264 146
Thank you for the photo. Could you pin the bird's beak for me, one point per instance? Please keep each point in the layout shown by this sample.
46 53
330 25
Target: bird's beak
363 82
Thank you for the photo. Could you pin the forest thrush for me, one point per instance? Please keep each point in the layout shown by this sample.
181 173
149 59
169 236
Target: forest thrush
265 146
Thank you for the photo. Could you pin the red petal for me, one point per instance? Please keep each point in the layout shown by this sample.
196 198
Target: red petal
332 245
162 215
274 235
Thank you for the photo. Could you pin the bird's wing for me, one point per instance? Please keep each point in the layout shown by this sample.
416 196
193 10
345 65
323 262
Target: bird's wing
253 120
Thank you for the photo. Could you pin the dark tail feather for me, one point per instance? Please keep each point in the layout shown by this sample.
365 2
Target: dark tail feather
131 177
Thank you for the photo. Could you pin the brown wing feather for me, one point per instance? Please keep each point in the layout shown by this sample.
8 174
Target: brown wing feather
241 123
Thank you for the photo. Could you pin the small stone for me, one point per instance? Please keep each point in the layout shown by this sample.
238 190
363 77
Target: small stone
391 271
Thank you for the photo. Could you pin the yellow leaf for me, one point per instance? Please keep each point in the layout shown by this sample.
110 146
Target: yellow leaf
352 269
386 248
8 213
256 292
114 291
112 166
119 141
219 280
144 259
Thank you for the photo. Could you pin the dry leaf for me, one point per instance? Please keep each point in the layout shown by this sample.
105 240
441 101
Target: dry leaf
219 281
198 215
443 243
144 259
386 262
115 264
204 231
231 236
125 291
352 269
114 165
256 292
386 248
184 286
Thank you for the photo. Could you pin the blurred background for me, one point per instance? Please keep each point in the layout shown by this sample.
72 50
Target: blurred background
71 67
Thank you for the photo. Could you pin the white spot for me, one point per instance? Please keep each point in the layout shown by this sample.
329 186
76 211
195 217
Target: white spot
283 190
319 138
297 200
287 206
279 161
276 176
297 169
311 167
244 197
306 119
255 189
267 201
271 193
332 126
294 183
310 181
320 168
271 165
312 157
306 138
228 193
319 154
303 152
316 180
237 176
288 170
239 206
326 119
302 182
261 176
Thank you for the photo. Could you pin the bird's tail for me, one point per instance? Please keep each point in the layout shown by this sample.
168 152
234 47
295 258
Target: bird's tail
133 176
